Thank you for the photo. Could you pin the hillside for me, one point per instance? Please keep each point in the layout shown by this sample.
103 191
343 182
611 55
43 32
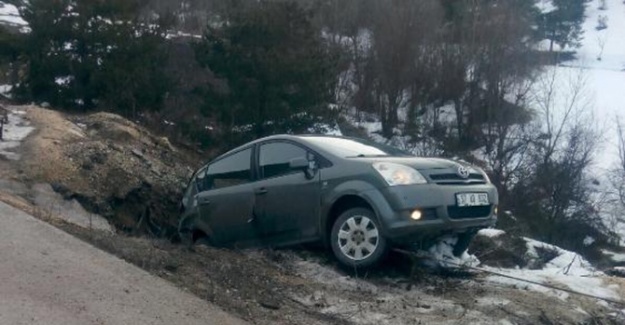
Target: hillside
96 100
601 57
267 286
601 61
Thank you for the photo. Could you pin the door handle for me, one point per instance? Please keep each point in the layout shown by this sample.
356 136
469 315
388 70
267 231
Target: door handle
203 201
260 191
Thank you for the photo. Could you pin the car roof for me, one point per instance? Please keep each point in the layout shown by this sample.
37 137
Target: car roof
291 137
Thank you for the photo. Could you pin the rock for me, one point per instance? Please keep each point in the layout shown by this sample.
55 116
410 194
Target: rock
269 304
138 153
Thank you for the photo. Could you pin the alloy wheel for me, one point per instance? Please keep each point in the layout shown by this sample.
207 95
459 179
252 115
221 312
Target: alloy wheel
358 238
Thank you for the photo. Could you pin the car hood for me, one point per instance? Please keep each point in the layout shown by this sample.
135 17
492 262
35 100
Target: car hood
417 162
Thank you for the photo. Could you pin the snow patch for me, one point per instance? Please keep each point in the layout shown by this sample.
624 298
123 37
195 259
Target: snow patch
546 6
614 256
565 270
63 81
5 90
491 232
441 255
9 15
180 34
329 276
14 133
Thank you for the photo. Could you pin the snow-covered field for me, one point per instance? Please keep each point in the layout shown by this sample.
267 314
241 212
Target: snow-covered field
605 78
601 60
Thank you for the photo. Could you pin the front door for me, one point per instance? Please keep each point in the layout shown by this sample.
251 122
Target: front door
226 199
287 202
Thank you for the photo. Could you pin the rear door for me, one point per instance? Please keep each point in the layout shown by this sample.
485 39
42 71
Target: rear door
226 199
287 202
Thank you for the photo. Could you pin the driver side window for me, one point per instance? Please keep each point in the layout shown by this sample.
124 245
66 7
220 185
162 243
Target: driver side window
275 158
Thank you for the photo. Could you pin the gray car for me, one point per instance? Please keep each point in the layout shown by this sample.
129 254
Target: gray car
357 197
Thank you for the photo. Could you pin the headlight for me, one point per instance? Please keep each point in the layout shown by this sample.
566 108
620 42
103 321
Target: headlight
397 174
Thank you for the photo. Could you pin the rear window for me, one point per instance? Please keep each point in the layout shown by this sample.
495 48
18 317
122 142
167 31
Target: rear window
355 148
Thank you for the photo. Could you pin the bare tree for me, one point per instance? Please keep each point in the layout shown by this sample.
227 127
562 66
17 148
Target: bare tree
615 197
558 194
601 40
618 172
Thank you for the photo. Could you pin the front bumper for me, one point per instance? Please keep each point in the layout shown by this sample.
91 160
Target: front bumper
394 205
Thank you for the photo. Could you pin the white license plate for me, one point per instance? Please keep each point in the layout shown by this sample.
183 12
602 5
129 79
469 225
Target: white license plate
472 199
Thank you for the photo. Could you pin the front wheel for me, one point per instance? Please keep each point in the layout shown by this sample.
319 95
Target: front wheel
356 239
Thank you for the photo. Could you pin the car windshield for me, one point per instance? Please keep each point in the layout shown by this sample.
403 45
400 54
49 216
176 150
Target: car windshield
356 148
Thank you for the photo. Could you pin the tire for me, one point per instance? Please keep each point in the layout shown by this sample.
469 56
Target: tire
356 239
185 232
189 235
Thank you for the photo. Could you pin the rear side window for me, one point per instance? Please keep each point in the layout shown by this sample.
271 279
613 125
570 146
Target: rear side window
230 171
275 157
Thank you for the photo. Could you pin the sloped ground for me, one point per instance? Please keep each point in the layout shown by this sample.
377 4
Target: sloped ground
120 171
113 167
306 287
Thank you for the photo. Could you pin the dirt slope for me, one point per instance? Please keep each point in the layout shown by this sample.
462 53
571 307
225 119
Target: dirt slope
112 166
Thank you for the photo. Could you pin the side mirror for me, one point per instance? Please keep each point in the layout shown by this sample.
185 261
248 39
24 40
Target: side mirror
299 163
302 163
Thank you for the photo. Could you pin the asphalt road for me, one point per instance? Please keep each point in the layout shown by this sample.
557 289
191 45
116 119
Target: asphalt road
49 277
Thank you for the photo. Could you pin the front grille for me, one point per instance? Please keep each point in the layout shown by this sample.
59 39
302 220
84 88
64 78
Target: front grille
447 177
469 212
429 214
455 179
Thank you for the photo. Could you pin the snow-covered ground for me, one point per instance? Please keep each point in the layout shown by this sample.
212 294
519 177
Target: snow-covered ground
601 58
605 78
15 131
389 298
566 270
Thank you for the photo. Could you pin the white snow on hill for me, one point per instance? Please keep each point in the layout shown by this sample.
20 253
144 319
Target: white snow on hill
566 270
9 15
602 58
599 73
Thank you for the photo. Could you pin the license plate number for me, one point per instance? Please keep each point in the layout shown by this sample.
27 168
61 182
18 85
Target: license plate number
472 199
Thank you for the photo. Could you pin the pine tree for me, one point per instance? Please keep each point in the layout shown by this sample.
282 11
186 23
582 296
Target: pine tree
563 25
91 52
278 70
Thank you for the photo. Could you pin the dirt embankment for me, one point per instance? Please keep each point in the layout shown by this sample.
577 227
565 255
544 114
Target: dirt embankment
113 167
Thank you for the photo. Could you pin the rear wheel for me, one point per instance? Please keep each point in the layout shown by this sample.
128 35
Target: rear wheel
190 235
356 239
